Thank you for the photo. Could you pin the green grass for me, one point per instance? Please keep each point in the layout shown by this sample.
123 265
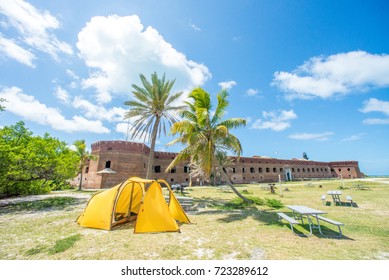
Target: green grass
222 228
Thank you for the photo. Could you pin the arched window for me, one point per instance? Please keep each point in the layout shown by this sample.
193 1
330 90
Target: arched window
108 164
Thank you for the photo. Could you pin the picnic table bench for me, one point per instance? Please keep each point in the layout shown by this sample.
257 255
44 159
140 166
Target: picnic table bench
336 223
289 219
186 202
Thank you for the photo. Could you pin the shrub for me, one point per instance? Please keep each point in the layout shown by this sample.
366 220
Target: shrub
238 203
274 203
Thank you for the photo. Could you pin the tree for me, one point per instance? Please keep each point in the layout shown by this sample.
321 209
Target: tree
2 108
152 107
205 135
83 156
33 164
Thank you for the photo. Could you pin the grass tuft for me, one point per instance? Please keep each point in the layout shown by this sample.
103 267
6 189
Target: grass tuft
64 244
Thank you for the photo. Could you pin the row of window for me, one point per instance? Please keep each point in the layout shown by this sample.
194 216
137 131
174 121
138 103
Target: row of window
275 170
157 169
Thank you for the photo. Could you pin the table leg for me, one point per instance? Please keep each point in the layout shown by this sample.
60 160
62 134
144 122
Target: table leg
318 225
310 225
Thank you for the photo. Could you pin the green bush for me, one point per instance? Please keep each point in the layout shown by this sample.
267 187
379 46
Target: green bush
274 203
238 203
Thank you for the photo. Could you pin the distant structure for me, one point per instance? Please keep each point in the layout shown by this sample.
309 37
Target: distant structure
127 159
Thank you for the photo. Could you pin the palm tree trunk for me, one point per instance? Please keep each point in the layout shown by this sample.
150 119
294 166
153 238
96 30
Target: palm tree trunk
229 182
80 185
152 148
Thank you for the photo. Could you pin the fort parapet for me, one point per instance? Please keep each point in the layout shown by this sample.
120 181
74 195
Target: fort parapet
130 159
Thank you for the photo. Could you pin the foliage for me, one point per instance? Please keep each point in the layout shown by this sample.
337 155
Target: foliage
205 134
2 108
32 164
274 203
83 155
153 105
238 203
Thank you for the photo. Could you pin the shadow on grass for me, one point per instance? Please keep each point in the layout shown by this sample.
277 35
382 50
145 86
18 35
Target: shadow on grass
342 203
269 217
46 204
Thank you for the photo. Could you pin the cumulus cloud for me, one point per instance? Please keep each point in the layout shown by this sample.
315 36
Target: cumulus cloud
118 49
375 105
98 112
35 30
311 136
335 75
227 84
275 120
28 107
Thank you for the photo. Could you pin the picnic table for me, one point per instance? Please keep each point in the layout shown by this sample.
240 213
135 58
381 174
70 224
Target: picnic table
335 196
301 211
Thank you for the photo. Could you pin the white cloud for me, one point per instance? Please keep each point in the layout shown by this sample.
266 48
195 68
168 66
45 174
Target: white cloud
29 108
311 136
35 27
375 105
227 84
352 138
251 92
194 27
118 49
14 51
125 129
61 94
275 120
375 121
335 75
98 112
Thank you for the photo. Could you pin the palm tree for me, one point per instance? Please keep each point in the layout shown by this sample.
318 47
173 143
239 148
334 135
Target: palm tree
205 135
225 163
152 106
83 156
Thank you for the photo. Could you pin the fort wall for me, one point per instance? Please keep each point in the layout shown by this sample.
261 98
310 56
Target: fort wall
130 159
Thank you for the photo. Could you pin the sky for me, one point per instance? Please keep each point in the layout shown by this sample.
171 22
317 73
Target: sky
308 76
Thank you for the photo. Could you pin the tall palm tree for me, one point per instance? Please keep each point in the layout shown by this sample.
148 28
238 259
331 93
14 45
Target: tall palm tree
83 156
153 105
205 135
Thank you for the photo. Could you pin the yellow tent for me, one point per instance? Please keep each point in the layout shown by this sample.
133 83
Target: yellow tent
134 199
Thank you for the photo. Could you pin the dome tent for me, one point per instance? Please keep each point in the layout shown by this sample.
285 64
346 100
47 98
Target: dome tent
138 200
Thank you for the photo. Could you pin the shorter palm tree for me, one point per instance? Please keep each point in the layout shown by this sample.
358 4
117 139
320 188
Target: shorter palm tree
205 135
83 156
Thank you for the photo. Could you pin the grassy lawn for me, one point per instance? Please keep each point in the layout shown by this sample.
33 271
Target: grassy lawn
45 228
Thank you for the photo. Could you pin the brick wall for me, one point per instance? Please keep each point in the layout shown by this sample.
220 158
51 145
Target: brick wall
130 159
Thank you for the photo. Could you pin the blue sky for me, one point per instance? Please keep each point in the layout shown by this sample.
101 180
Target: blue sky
309 76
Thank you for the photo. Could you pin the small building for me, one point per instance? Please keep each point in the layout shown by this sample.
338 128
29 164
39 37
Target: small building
129 159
